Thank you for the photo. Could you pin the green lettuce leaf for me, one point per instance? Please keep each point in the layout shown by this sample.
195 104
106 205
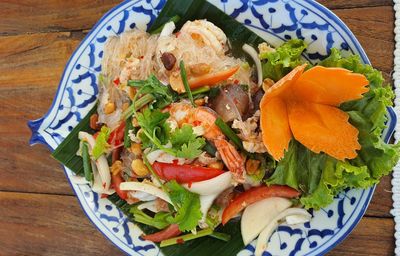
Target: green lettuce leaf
278 63
187 204
321 177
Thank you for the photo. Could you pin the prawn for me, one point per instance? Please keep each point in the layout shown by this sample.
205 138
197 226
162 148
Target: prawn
204 117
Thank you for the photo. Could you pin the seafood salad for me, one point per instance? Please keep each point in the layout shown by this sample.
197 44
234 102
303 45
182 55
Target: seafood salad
190 137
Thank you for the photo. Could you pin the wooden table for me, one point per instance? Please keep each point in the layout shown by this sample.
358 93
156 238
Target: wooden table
39 214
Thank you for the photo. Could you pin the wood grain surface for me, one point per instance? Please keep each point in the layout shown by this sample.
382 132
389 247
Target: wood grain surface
39 214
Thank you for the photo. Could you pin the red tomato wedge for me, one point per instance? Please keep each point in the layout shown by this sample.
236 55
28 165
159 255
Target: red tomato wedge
185 173
169 232
116 180
254 195
117 135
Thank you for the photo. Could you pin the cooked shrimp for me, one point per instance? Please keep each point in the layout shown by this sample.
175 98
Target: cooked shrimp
204 32
184 113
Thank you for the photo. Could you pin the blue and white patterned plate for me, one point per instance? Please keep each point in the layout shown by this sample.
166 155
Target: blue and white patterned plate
275 21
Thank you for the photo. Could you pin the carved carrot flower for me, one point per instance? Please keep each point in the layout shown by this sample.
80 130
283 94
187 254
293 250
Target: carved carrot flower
304 105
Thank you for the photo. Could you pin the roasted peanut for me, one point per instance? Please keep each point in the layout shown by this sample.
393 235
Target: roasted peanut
136 149
200 69
139 168
109 108
116 167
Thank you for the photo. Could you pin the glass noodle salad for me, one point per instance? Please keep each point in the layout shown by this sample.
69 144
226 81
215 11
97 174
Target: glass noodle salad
191 138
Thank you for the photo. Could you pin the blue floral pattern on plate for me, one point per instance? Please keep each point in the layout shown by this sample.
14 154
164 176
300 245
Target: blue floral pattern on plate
275 21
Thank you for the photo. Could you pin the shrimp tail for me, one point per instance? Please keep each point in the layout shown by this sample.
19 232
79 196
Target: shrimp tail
232 159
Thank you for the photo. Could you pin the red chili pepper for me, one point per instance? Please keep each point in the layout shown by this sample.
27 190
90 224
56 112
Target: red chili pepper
117 135
169 232
116 81
185 173
254 195
116 181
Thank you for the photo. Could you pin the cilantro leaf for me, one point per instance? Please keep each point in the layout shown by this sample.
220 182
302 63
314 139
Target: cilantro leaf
101 144
163 94
188 206
192 149
154 129
149 120
186 143
159 220
182 135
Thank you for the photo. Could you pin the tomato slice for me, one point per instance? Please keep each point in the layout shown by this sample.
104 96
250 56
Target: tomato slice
185 173
116 181
256 194
169 232
117 135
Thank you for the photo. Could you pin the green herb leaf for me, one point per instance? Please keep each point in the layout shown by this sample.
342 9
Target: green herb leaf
159 220
184 238
101 145
149 120
186 143
188 206
162 93
229 133
87 166
192 149
186 83
128 127
182 135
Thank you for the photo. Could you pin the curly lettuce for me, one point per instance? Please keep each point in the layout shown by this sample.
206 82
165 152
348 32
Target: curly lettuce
276 64
321 177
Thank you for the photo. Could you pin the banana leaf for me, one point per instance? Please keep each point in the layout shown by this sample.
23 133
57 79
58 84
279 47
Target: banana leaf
65 153
238 35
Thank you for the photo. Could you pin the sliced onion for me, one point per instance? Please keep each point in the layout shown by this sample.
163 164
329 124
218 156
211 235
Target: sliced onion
97 185
163 157
151 206
212 186
168 29
142 196
101 162
258 215
205 204
262 242
147 188
254 55
297 219
231 103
